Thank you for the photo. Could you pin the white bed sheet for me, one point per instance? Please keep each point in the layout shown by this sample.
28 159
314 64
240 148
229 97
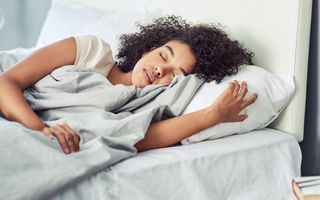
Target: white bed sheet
257 165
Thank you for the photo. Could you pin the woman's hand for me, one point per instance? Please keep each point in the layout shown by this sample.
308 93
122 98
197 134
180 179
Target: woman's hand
67 137
230 103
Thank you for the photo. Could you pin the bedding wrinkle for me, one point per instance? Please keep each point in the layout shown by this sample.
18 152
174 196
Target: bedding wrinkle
204 168
110 120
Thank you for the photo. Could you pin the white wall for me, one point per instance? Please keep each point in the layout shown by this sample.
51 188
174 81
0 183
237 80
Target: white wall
36 11
24 19
11 34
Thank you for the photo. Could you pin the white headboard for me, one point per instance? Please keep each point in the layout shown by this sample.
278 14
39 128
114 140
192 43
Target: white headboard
277 31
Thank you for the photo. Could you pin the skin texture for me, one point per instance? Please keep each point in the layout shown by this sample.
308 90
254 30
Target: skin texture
158 66
162 64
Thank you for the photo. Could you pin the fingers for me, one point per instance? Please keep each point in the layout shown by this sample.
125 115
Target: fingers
246 103
75 136
61 139
241 91
47 133
249 101
236 88
241 118
232 101
231 84
67 138
244 90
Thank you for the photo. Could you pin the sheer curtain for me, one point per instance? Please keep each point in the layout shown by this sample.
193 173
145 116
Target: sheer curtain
23 21
310 146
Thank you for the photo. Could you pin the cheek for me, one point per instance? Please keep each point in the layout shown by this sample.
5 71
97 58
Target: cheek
134 77
137 78
135 70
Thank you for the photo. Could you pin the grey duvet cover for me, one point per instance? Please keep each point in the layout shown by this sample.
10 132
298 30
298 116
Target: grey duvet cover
110 119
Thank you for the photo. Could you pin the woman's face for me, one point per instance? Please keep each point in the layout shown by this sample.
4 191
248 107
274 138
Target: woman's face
160 65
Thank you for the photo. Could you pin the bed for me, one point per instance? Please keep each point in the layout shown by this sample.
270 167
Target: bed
255 165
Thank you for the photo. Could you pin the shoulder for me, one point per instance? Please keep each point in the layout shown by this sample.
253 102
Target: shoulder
91 41
91 48
95 53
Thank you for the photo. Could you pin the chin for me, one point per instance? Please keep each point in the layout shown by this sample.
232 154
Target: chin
138 84
141 85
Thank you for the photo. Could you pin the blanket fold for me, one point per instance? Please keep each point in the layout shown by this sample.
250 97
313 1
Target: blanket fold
110 120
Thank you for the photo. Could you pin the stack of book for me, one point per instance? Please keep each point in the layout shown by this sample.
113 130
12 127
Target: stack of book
306 188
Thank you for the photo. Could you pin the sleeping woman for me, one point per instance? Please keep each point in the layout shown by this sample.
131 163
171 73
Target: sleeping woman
155 55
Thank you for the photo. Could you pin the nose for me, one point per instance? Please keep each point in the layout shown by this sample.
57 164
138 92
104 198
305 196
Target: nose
158 71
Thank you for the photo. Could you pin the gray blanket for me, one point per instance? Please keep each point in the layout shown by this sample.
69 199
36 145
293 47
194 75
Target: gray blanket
109 118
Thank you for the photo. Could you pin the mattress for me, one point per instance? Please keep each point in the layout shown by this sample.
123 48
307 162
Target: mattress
255 165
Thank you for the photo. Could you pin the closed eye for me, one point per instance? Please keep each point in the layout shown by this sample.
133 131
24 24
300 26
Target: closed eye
162 56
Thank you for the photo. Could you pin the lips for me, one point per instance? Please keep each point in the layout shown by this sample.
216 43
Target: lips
149 76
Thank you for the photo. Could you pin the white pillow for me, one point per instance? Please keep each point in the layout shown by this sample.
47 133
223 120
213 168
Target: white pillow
274 92
68 19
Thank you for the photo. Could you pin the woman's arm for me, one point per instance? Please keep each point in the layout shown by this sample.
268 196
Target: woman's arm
170 131
25 73
226 108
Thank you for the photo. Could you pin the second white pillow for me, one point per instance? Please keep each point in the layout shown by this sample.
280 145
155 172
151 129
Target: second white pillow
274 92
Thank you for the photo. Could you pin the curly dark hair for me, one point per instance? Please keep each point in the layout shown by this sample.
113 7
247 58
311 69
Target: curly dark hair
216 54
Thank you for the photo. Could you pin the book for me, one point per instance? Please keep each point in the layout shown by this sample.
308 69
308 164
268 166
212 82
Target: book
306 188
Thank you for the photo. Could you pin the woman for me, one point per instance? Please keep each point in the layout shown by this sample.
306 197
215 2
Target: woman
158 52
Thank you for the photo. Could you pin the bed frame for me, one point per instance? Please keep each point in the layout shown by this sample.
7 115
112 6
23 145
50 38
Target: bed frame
277 31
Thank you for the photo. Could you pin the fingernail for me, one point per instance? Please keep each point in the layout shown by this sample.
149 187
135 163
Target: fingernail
66 150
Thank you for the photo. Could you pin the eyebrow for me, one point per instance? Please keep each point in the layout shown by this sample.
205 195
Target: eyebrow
170 49
172 53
